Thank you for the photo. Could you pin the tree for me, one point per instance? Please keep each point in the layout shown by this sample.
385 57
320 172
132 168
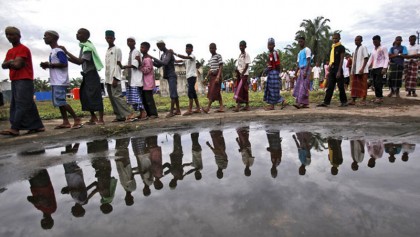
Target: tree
75 82
41 85
229 69
317 35
259 64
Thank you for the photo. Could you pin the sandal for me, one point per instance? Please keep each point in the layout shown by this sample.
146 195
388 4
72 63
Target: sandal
269 108
32 131
131 120
77 126
219 111
296 106
187 113
205 110
245 109
90 123
62 126
197 111
283 104
169 115
9 133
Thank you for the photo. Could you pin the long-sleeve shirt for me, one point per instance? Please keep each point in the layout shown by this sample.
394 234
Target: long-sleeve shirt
379 58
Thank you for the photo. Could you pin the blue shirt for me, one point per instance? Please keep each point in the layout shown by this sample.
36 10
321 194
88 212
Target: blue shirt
398 50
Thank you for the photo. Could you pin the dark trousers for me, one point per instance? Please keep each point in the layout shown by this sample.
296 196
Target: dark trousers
149 103
23 111
377 81
192 94
332 81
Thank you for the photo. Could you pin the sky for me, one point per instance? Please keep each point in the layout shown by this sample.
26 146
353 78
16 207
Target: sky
224 22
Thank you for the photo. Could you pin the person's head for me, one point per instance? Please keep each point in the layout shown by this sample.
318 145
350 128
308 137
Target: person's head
334 170
302 170
212 48
376 40
404 156
158 184
173 183
106 208
301 42
77 210
271 44
129 199
317 64
144 47
391 158
12 34
110 37
51 37
273 171
219 173
398 40
197 175
336 38
189 48
146 190
131 42
242 46
47 222
354 166
412 39
82 35
161 45
371 162
197 65
247 171
358 40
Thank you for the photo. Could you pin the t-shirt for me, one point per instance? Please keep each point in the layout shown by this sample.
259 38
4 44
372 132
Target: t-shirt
243 60
398 50
346 72
59 76
136 75
148 74
191 71
413 50
338 50
302 58
27 71
88 64
215 61
317 72
112 70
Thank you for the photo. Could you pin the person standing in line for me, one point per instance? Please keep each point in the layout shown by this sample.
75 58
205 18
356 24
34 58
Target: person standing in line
113 78
90 89
412 61
378 60
346 72
23 111
167 60
191 74
335 73
317 75
359 72
396 68
149 83
301 90
242 73
135 80
59 80
215 80
272 91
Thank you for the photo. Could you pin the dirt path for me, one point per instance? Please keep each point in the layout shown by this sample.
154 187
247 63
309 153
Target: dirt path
396 116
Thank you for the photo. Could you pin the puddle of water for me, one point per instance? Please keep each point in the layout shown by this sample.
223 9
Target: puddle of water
242 181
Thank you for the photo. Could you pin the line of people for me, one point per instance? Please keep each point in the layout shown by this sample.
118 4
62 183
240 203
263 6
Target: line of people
140 76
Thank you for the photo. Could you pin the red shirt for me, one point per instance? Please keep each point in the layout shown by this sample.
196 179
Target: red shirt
273 60
27 71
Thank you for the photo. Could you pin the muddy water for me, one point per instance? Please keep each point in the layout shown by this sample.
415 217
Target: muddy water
229 181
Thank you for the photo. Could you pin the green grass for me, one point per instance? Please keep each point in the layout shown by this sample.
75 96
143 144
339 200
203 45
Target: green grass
47 110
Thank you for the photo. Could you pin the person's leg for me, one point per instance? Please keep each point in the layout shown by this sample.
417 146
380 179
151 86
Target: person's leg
93 117
377 80
342 90
330 88
101 117
63 112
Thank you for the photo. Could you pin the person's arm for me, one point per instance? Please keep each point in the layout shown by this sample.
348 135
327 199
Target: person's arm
362 69
183 56
15 64
165 61
71 57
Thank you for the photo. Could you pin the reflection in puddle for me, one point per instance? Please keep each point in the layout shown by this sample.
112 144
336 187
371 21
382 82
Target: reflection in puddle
243 181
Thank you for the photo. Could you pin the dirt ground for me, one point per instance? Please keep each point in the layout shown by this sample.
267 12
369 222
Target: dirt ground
399 117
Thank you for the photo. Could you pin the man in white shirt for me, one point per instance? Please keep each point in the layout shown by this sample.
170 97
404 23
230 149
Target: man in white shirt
359 72
412 61
113 79
379 62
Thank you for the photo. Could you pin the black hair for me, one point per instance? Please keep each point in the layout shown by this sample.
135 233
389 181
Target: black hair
145 44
